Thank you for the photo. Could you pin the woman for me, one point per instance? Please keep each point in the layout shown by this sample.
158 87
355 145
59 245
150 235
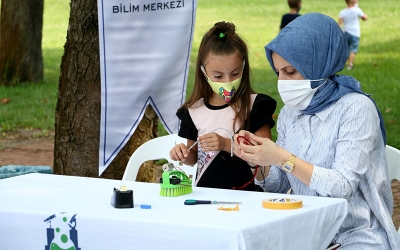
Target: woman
331 137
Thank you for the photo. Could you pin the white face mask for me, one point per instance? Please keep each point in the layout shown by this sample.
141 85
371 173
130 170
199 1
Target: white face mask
297 94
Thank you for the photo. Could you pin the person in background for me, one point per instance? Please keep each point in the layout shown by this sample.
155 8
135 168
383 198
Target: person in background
349 21
331 136
294 6
222 103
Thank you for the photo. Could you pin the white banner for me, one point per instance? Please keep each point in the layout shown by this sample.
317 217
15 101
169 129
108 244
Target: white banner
144 59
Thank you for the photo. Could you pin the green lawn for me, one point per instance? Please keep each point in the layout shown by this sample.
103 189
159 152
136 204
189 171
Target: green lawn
33 105
376 65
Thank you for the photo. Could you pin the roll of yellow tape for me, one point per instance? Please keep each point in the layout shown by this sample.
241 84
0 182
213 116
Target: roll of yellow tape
282 203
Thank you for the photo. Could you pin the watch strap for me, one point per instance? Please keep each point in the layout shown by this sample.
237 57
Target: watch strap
288 166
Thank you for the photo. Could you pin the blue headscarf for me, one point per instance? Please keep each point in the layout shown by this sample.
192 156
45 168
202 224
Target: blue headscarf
316 47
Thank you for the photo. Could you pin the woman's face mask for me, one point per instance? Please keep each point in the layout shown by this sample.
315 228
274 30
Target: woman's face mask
225 89
297 94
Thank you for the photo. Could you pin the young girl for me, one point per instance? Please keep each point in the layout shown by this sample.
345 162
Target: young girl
221 104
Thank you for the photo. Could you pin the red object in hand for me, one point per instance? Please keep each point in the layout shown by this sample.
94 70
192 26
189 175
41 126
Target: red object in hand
244 140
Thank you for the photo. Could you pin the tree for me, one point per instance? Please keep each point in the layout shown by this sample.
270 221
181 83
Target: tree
21 41
77 127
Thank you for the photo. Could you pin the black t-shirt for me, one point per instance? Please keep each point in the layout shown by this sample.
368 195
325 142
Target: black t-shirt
287 18
224 171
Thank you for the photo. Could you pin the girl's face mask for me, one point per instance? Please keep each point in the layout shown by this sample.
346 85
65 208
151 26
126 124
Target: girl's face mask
224 89
297 94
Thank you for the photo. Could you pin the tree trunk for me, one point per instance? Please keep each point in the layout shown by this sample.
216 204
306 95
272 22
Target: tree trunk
21 41
146 130
77 128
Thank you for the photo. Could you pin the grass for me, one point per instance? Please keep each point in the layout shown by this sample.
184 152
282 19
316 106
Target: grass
376 65
32 105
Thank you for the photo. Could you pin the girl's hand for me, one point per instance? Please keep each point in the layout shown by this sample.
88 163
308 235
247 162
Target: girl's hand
213 142
179 152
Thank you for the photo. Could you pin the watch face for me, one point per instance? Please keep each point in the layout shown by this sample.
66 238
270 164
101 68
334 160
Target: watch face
287 167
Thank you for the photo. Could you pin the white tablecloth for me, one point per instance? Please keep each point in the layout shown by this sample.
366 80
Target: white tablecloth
78 212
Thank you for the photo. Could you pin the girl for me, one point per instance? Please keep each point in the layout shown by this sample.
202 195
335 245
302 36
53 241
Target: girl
221 104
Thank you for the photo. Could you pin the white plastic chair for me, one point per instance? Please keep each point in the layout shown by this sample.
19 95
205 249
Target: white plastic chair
393 163
155 149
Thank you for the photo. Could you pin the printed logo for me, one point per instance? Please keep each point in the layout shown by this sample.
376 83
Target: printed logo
63 235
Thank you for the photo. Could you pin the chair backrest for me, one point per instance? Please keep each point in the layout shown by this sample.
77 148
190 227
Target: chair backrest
393 162
155 149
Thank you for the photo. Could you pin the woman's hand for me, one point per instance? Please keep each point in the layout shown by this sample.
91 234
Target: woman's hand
214 142
264 152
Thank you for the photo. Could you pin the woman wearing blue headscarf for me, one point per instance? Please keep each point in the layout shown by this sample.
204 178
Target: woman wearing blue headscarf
331 136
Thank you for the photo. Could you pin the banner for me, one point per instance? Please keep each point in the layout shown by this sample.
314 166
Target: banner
144 59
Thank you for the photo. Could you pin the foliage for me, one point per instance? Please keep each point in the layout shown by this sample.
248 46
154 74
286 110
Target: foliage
376 65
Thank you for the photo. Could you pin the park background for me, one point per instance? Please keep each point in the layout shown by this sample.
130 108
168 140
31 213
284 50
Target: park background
31 106
27 112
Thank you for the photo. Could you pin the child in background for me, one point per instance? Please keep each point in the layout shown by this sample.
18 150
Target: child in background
222 103
293 14
349 21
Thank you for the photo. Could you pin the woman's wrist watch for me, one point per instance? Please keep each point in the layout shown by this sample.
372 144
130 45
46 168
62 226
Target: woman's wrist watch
288 166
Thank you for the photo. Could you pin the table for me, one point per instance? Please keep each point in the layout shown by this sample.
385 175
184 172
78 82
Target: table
45 211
